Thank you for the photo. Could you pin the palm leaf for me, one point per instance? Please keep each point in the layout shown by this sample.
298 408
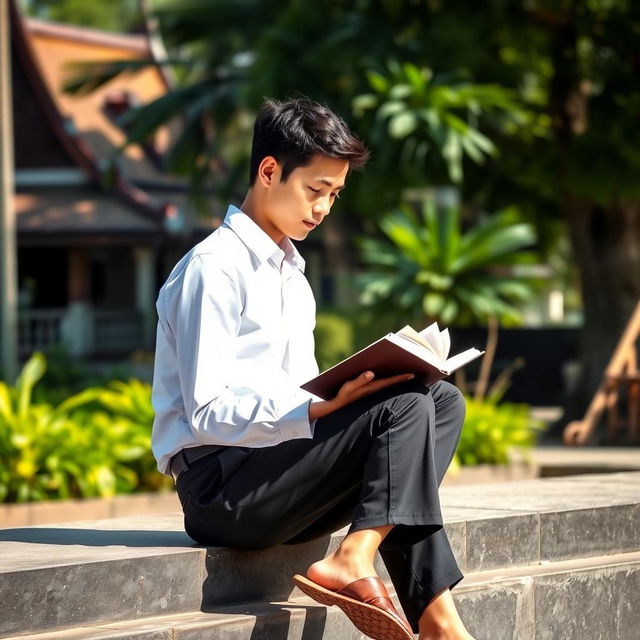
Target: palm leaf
494 245
6 404
448 237
32 371
143 121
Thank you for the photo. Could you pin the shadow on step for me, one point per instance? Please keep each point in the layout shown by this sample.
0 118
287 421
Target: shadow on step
233 576
282 622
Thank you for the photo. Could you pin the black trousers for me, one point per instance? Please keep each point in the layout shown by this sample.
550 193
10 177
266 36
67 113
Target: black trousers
375 462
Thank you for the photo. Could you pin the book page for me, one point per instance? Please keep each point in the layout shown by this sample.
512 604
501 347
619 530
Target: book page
446 342
440 339
461 359
417 349
411 334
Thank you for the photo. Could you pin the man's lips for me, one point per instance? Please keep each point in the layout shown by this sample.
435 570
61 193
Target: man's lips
310 225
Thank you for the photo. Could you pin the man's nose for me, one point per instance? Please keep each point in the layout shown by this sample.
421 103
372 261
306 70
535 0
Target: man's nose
322 206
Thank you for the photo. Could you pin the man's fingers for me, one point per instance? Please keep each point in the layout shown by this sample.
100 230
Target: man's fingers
365 384
403 377
387 382
362 380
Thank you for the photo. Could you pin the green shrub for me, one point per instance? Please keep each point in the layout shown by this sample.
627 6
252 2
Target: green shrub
493 432
334 339
95 443
125 410
65 374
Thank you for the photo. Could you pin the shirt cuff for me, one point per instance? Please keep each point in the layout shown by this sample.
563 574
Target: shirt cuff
295 424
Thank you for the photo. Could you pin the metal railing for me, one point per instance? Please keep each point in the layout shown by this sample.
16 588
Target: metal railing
39 329
95 331
116 330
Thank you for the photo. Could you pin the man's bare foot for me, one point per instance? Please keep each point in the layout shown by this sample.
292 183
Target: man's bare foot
352 560
338 570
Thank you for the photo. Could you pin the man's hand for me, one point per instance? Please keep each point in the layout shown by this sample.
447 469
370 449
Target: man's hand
352 390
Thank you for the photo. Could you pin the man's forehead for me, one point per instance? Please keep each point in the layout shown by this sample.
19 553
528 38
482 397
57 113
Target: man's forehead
329 183
328 171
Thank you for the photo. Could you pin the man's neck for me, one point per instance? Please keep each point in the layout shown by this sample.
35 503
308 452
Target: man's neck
251 208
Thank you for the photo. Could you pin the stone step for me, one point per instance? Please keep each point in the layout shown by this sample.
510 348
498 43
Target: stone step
297 618
582 599
76 574
536 521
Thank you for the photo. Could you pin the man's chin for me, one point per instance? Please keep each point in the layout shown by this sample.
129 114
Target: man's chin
300 235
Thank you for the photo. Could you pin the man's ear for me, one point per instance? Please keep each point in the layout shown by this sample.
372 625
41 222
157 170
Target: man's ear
267 171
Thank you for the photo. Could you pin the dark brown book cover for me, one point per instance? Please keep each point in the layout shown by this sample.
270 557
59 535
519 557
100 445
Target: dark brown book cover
383 357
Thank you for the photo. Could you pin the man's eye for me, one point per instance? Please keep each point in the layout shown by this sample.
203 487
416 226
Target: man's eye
314 190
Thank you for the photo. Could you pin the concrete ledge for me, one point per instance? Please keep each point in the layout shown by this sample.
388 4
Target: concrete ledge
572 600
299 619
585 599
537 521
122 569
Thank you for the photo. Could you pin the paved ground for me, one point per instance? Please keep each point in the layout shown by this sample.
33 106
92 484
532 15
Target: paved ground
551 462
604 458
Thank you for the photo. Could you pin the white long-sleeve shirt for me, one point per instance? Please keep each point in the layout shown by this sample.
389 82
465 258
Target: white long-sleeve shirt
234 342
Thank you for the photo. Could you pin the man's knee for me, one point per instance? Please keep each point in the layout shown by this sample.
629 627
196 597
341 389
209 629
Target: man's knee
449 398
414 397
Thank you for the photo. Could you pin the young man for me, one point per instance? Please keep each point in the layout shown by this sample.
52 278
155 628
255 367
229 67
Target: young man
260 462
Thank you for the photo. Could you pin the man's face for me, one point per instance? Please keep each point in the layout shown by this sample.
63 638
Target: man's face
297 206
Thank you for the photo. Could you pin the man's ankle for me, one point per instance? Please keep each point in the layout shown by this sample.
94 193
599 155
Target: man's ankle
442 630
436 628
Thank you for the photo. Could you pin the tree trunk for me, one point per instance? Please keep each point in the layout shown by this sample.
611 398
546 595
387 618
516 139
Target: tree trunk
606 245
605 239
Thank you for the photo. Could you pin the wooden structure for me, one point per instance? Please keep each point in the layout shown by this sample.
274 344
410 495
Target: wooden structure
92 252
621 373
90 255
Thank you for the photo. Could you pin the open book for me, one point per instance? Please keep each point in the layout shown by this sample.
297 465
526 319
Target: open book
424 353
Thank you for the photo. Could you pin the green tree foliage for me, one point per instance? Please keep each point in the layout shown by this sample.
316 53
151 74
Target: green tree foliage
355 50
245 49
573 64
419 116
334 339
428 268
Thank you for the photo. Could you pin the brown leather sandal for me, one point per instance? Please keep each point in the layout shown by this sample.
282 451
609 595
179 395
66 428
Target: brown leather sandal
366 603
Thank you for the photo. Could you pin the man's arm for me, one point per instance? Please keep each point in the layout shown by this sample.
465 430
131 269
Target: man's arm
352 390
205 317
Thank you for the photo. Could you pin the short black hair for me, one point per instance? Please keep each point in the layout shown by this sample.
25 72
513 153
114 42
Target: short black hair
292 131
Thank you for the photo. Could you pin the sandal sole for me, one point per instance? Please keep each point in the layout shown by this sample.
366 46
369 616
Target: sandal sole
373 622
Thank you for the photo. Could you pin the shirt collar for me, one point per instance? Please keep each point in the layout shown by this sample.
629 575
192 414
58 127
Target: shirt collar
259 243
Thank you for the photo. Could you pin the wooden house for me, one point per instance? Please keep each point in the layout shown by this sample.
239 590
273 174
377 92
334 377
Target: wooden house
90 257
